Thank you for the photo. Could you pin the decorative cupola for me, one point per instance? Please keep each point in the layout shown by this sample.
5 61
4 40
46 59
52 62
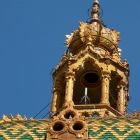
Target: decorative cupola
91 77
90 92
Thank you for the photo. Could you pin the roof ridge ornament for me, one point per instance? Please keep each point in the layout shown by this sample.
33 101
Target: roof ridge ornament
12 118
95 12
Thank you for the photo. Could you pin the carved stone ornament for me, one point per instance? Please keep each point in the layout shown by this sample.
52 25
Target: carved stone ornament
105 75
70 74
89 32
69 121
123 85
12 118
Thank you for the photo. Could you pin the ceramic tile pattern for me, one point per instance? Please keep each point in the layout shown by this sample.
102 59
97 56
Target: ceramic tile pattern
127 128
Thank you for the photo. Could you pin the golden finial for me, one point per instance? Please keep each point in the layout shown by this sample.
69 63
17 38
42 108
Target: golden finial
95 13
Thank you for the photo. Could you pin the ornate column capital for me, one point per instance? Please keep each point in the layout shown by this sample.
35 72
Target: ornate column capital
105 75
57 86
54 90
123 85
70 75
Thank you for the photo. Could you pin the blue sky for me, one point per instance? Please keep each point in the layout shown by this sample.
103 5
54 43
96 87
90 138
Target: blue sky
32 35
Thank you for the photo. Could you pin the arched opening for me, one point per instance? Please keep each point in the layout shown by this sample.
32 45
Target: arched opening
87 86
113 96
61 92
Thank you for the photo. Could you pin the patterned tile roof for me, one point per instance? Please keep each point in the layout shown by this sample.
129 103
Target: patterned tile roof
24 130
114 129
98 129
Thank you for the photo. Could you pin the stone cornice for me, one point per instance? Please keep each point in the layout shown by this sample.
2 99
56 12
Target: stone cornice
71 59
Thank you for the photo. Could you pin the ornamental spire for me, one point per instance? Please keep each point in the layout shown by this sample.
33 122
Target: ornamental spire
95 13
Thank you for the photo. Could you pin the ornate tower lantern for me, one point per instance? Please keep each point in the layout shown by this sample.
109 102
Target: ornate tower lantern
90 92
91 77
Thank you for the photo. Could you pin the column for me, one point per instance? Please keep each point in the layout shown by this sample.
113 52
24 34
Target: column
105 88
55 95
69 87
54 100
126 96
121 98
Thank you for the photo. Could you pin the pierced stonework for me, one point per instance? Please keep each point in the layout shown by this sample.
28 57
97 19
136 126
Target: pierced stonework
69 121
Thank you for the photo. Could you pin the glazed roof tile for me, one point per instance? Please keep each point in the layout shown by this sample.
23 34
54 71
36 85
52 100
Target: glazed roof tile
127 128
